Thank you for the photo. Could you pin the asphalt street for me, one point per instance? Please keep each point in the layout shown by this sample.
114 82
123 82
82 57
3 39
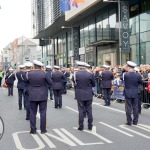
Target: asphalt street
109 131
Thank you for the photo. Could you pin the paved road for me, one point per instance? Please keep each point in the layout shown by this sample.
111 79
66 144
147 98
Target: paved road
109 131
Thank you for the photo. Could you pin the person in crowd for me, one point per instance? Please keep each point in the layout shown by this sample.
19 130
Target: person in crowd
21 86
28 68
57 78
38 95
1 76
131 80
66 75
10 78
84 81
145 73
107 77
49 72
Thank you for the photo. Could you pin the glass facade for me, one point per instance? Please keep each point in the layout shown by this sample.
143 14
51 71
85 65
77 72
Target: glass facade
140 32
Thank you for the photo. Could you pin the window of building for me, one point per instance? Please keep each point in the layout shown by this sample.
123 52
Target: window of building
99 27
145 6
134 10
69 40
105 26
92 30
86 33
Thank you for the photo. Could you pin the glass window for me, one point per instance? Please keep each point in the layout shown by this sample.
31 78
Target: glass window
99 28
92 30
145 6
135 53
144 22
105 29
86 34
147 52
82 42
143 53
69 40
112 23
134 25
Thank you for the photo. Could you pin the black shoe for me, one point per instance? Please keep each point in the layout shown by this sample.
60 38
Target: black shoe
20 108
60 106
43 132
105 105
33 132
56 107
51 98
80 128
27 118
90 128
129 124
134 123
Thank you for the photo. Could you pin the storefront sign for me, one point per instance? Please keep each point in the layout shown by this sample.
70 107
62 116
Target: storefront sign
76 43
125 34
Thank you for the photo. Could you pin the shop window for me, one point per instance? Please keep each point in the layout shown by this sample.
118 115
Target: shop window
99 28
86 33
82 42
92 30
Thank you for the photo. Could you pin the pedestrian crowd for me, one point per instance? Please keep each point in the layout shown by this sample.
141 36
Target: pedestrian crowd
37 83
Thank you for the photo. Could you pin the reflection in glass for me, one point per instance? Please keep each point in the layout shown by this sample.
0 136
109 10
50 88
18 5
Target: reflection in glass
106 28
82 42
99 28
92 30
86 34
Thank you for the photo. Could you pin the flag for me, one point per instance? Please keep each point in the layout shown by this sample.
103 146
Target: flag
65 5
79 1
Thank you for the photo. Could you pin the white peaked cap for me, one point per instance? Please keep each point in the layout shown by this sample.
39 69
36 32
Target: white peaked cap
131 64
136 69
48 67
56 67
38 63
10 69
87 65
21 66
28 64
80 63
106 66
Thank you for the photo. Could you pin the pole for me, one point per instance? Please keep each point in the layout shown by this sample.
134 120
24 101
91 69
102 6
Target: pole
120 52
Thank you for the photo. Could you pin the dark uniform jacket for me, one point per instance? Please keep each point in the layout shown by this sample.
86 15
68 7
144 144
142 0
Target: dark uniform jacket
10 78
66 75
132 80
84 82
107 77
57 78
49 72
21 80
37 85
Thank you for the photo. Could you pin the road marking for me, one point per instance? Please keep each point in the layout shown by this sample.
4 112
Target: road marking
72 109
138 133
142 127
116 129
110 108
19 145
145 126
93 132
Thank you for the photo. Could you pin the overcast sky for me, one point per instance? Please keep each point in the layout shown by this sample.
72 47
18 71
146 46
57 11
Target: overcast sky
15 20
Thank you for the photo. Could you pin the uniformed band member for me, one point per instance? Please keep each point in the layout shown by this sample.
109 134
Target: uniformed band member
10 78
57 78
106 83
38 95
28 67
84 82
132 80
49 72
21 86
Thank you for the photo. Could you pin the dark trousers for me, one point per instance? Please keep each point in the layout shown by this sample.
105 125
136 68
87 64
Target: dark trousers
33 111
21 96
132 105
98 86
107 96
10 89
139 103
82 107
51 92
1 81
27 102
64 87
58 98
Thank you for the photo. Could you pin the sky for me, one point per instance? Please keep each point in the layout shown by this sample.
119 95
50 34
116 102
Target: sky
15 20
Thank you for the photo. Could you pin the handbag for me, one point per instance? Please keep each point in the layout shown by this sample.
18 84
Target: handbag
5 85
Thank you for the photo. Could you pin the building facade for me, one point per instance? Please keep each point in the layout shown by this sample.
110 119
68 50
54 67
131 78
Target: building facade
91 33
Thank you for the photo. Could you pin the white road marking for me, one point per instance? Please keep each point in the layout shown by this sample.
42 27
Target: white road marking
142 127
77 140
110 108
116 129
145 126
72 109
138 133
19 145
93 132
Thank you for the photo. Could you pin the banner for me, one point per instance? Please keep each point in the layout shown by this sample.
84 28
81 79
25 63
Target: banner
65 5
125 32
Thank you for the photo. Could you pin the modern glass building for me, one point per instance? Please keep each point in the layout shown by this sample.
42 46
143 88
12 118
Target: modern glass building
96 41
